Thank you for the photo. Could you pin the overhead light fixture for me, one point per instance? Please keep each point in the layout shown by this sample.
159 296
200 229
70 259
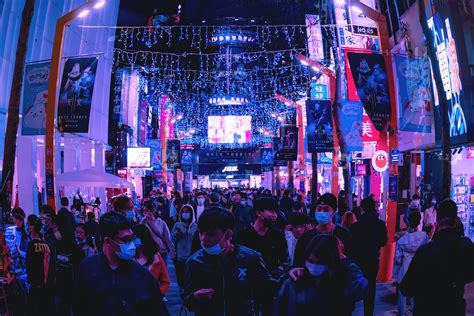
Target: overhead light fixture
99 4
304 62
83 13
356 9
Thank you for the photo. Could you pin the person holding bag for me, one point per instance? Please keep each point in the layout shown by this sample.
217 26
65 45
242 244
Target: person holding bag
159 231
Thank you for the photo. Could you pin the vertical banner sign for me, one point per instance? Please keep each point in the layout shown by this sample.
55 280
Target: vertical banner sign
319 126
371 81
289 142
75 95
277 149
449 65
351 124
393 187
187 160
266 159
35 97
155 153
172 153
414 93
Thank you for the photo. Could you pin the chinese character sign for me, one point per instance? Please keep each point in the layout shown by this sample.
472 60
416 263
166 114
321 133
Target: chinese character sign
75 95
319 132
371 81
35 97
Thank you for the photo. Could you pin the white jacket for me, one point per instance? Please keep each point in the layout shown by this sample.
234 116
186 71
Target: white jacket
407 246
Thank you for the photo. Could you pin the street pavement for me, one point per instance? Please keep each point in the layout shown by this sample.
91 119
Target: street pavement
385 305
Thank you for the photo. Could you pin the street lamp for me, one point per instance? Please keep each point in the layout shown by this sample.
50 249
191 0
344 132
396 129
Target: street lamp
50 157
388 252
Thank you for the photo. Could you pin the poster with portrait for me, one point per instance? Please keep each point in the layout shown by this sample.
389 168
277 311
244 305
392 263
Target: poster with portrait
155 153
351 124
370 76
186 160
266 159
173 149
289 143
319 131
35 97
414 94
75 94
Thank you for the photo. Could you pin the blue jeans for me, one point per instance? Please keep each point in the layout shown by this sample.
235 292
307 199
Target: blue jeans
402 303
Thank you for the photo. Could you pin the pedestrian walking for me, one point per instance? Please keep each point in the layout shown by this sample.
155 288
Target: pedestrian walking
406 248
369 234
440 269
329 284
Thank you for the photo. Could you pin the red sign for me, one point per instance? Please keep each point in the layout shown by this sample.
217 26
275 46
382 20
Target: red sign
369 133
380 161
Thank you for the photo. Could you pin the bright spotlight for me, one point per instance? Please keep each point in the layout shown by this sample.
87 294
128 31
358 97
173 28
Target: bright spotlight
99 5
83 13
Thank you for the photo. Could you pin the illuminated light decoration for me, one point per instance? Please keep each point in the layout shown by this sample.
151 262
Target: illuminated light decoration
228 100
450 73
99 4
304 62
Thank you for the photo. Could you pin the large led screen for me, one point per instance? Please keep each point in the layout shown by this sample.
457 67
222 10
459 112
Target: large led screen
138 157
229 129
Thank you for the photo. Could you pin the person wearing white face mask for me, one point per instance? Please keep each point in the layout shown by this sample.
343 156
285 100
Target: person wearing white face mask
200 204
329 284
223 278
182 236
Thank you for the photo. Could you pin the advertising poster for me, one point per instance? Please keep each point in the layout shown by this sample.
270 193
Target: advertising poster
451 57
75 95
371 81
278 161
319 130
138 157
35 97
173 153
351 124
266 159
187 160
414 93
155 153
289 143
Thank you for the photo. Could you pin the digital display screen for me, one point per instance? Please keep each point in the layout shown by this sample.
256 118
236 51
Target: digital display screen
229 129
138 157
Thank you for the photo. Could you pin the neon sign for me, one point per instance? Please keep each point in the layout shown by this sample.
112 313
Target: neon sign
230 169
450 73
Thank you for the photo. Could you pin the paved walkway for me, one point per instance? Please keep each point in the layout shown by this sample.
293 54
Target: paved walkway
385 305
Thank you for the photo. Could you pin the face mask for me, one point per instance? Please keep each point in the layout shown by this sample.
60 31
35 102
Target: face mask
322 217
186 216
130 215
58 235
214 250
127 251
138 242
80 241
315 269
243 203
200 201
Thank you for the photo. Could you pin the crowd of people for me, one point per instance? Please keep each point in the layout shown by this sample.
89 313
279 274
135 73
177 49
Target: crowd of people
238 252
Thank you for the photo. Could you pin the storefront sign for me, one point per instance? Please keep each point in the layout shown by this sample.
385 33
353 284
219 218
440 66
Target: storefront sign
394 156
319 91
361 170
35 96
380 161
75 94
230 169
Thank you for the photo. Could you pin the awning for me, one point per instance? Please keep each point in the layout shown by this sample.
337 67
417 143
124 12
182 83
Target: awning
92 178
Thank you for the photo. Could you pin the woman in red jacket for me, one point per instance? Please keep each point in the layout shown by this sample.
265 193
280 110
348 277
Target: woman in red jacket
148 255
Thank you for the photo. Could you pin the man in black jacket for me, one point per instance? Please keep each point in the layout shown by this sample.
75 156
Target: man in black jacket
223 278
66 218
324 213
369 234
440 269
112 283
